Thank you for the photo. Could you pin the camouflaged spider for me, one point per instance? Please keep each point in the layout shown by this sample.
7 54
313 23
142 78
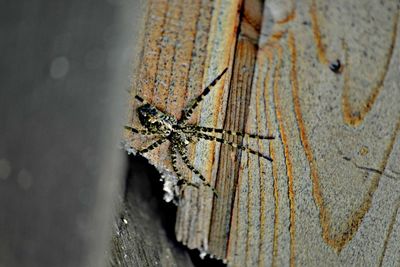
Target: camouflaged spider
180 134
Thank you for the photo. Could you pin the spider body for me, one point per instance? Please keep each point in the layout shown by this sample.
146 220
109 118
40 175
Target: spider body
155 121
180 134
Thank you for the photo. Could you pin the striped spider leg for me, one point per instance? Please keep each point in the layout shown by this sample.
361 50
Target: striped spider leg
180 134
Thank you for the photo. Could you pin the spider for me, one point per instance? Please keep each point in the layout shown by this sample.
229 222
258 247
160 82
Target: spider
180 134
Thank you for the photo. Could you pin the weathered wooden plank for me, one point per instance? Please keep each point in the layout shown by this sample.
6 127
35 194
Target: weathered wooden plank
236 116
336 155
195 41
324 209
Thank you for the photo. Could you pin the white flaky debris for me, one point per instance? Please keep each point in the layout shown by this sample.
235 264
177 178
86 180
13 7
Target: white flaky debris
125 146
170 187
203 254
170 181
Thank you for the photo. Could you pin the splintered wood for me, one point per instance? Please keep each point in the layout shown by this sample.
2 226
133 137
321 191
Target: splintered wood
332 194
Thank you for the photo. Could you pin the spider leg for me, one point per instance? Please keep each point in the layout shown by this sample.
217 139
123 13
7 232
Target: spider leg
152 146
181 180
136 131
220 140
229 132
195 171
140 99
191 107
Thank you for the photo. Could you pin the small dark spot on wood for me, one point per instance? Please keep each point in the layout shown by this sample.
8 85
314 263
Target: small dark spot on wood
347 158
335 66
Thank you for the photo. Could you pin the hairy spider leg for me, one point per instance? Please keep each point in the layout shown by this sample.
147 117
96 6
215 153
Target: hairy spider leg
181 180
152 146
191 107
220 140
143 132
229 132
195 171
140 99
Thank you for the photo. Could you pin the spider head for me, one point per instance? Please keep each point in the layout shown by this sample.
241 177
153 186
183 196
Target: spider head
155 120
148 116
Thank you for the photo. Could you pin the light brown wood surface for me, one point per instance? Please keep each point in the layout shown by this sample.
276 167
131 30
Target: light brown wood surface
332 194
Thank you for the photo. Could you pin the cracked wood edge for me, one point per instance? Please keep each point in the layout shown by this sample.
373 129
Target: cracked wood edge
140 235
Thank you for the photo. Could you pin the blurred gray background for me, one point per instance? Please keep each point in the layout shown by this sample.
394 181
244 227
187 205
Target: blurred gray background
65 69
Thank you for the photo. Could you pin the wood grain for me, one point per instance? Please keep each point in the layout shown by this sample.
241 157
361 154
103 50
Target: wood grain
331 195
